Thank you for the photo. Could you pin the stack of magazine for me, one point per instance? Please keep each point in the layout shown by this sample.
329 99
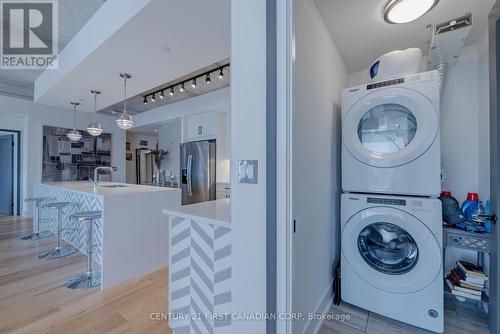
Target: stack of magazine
467 280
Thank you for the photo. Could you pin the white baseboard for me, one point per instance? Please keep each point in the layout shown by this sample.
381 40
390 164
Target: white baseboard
324 304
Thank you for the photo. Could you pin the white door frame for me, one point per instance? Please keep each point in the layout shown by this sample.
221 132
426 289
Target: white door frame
284 40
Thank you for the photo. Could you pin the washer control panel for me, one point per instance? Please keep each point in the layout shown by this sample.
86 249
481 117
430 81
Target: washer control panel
386 201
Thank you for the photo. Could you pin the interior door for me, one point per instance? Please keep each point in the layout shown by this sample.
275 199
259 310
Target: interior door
494 40
390 127
6 174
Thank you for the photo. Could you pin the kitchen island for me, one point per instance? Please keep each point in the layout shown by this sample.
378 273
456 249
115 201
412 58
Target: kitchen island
131 239
200 267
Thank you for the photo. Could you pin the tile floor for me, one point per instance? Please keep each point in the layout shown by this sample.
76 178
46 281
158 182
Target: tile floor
459 319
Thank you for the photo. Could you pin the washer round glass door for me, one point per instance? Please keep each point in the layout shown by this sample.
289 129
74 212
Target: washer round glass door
390 127
391 250
388 248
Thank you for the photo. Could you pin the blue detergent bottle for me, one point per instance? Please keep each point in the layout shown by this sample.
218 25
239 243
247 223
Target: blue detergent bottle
487 211
470 205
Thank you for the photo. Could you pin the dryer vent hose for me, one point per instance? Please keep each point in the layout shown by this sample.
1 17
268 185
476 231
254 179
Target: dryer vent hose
442 68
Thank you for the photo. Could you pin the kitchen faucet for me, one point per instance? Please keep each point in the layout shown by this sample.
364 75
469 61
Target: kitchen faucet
96 173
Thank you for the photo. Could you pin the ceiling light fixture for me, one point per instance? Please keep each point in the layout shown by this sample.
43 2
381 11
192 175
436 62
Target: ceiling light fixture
404 11
95 128
182 84
125 121
74 135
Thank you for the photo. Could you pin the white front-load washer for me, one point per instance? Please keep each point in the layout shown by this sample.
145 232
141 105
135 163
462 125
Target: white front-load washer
390 137
391 260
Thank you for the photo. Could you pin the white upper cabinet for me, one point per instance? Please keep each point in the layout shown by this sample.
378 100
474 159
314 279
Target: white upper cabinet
202 126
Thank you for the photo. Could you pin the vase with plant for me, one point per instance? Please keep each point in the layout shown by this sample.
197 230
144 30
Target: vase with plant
158 156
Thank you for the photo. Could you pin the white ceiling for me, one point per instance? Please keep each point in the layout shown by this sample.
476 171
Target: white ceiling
163 41
73 14
361 34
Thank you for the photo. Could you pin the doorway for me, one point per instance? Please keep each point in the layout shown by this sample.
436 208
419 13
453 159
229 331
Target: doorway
9 172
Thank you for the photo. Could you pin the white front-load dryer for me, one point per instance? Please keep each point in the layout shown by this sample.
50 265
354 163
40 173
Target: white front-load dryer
390 137
391 260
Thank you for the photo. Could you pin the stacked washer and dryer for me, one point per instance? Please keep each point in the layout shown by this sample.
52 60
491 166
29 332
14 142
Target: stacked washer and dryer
391 260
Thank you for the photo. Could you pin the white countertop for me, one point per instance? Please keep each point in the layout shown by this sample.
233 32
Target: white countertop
212 211
88 187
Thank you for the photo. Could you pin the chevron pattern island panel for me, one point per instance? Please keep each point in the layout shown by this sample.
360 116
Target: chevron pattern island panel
199 277
74 233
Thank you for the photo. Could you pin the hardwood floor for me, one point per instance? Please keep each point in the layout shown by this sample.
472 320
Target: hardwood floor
34 299
459 319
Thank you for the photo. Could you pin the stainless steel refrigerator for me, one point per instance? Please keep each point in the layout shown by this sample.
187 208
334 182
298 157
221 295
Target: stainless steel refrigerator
198 161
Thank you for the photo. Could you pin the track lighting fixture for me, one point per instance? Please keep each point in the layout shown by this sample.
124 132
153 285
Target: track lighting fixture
182 85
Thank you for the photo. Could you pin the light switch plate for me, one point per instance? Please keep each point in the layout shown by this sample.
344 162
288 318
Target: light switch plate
248 171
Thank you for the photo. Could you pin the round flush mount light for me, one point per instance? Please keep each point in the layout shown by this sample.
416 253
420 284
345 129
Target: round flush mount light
404 11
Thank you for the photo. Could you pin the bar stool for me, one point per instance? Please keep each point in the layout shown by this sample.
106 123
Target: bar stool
59 251
37 206
91 278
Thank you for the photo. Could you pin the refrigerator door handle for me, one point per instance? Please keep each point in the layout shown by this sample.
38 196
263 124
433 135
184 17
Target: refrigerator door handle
189 175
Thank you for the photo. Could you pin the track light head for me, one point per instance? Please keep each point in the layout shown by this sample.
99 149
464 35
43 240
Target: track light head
172 91
145 100
194 83
207 79
153 99
182 89
162 95
221 73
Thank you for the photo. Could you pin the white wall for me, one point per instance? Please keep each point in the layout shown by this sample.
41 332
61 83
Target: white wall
248 142
460 125
170 141
134 138
319 76
484 117
218 100
29 118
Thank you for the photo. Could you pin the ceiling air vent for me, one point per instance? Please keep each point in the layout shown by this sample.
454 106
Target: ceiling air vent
458 23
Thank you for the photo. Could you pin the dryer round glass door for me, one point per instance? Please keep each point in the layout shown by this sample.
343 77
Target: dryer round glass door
390 127
391 250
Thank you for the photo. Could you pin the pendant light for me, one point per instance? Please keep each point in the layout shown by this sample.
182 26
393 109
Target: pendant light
95 128
125 121
74 135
